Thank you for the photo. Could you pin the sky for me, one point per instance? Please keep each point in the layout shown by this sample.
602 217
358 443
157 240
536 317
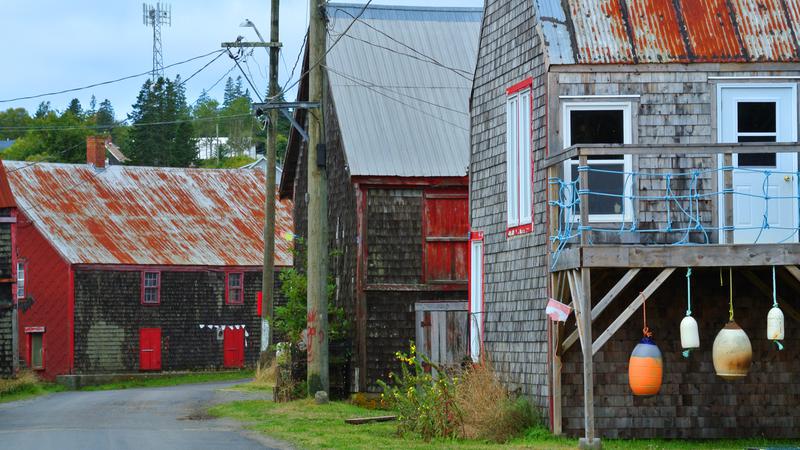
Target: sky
55 45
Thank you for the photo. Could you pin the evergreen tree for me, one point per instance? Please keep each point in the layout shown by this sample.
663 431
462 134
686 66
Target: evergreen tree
74 108
229 94
165 144
104 116
92 106
42 110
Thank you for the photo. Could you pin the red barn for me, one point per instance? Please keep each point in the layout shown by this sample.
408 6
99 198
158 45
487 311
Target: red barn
139 268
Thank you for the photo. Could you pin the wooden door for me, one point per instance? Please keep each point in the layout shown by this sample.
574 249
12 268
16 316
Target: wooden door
446 228
150 349
233 344
442 332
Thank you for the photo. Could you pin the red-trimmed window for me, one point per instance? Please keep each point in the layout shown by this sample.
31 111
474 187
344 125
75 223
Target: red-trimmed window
21 269
476 305
151 288
519 171
446 225
234 288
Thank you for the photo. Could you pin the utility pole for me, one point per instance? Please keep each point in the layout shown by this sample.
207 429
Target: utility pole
268 281
317 271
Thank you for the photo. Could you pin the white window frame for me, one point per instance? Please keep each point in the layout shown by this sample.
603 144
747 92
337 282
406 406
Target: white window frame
627 160
519 164
476 296
20 294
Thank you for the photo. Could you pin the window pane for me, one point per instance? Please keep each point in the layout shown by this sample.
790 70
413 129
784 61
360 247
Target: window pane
512 182
756 117
36 350
597 127
234 280
602 182
151 295
525 159
235 295
20 280
151 279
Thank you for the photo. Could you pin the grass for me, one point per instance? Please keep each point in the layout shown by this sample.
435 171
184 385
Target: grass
24 386
308 425
190 378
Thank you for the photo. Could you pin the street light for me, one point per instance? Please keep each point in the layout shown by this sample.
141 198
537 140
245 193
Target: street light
249 24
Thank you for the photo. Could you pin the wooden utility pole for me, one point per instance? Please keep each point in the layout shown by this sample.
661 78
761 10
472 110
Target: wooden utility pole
268 281
317 271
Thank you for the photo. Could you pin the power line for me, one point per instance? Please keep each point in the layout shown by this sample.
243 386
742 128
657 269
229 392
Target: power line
143 124
236 60
402 102
201 69
460 72
103 83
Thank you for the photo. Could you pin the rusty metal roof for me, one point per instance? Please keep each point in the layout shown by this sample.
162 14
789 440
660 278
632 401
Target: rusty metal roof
6 199
662 31
150 215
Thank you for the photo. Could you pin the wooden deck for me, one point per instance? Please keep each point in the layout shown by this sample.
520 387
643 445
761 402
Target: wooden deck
662 256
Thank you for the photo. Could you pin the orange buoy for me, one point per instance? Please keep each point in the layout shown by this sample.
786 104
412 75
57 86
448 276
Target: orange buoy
732 352
645 368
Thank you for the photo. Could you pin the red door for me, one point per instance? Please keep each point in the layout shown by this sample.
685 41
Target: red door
150 349
233 344
446 225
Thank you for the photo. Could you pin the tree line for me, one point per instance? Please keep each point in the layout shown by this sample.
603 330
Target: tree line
162 129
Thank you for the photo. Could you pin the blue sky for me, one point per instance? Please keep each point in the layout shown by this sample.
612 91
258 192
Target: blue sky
55 44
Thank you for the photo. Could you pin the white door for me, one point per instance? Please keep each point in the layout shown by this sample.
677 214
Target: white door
761 113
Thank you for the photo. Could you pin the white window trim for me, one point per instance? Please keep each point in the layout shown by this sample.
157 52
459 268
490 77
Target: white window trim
627 136
476 299
523 166
20 288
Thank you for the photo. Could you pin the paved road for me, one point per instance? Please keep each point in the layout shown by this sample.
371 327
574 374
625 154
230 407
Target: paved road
169 418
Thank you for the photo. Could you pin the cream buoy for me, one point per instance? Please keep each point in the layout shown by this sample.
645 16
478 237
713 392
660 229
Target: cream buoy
732 352
690 335
775 331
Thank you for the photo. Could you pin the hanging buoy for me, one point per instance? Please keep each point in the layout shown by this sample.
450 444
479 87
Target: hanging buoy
732 352
775 317
775 324
645 368
690 336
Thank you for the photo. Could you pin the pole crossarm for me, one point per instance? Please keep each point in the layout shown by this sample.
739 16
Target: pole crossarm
250 44
284 105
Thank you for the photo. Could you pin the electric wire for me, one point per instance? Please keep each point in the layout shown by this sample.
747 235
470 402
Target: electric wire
103 83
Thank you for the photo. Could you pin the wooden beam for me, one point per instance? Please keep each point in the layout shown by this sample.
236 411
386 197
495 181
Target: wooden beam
727 180
767 290
794 271
586 346
574 289
583 177
557 414
603 304
628 312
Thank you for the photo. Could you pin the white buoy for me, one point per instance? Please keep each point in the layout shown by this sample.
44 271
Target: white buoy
775 324
690 336
732 353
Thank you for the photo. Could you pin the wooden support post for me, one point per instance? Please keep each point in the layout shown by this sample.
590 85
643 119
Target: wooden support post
628 312
553 213
583 184
728 186
557 417
589 440
603 304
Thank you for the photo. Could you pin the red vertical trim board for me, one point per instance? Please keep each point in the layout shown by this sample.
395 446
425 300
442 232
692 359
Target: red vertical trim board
14 258
71 320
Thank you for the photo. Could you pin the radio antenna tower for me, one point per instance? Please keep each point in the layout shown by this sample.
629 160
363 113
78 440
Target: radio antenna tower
155 16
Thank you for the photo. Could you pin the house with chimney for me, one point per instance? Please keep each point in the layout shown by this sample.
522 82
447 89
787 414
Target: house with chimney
137 269
638 162
396 154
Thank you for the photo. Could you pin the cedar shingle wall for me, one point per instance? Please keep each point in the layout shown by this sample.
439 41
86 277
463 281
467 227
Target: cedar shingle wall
6 311
693 401
109 314
674 107
515 276
394 236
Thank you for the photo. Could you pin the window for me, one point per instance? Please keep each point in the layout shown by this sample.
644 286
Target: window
20 280
601 123
234 292
476 295
446 228
518 158
151 288
36 350
757 122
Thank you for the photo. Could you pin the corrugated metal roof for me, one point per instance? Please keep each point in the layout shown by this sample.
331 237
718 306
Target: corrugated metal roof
400 79
150 215
660 31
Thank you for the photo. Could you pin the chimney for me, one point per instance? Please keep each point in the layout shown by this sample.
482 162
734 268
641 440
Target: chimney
96 151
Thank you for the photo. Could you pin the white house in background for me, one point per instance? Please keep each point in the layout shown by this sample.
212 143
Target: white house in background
208 147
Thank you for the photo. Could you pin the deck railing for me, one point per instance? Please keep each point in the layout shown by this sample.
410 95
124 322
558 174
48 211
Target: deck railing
672 195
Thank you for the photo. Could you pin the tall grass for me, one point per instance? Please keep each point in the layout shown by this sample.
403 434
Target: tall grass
24 381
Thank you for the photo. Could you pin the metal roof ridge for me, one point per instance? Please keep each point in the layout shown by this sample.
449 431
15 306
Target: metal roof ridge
407 7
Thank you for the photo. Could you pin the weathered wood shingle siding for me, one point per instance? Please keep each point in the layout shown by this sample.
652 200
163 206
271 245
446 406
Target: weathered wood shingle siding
394 230
6 303
109 314
676 105
515 276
